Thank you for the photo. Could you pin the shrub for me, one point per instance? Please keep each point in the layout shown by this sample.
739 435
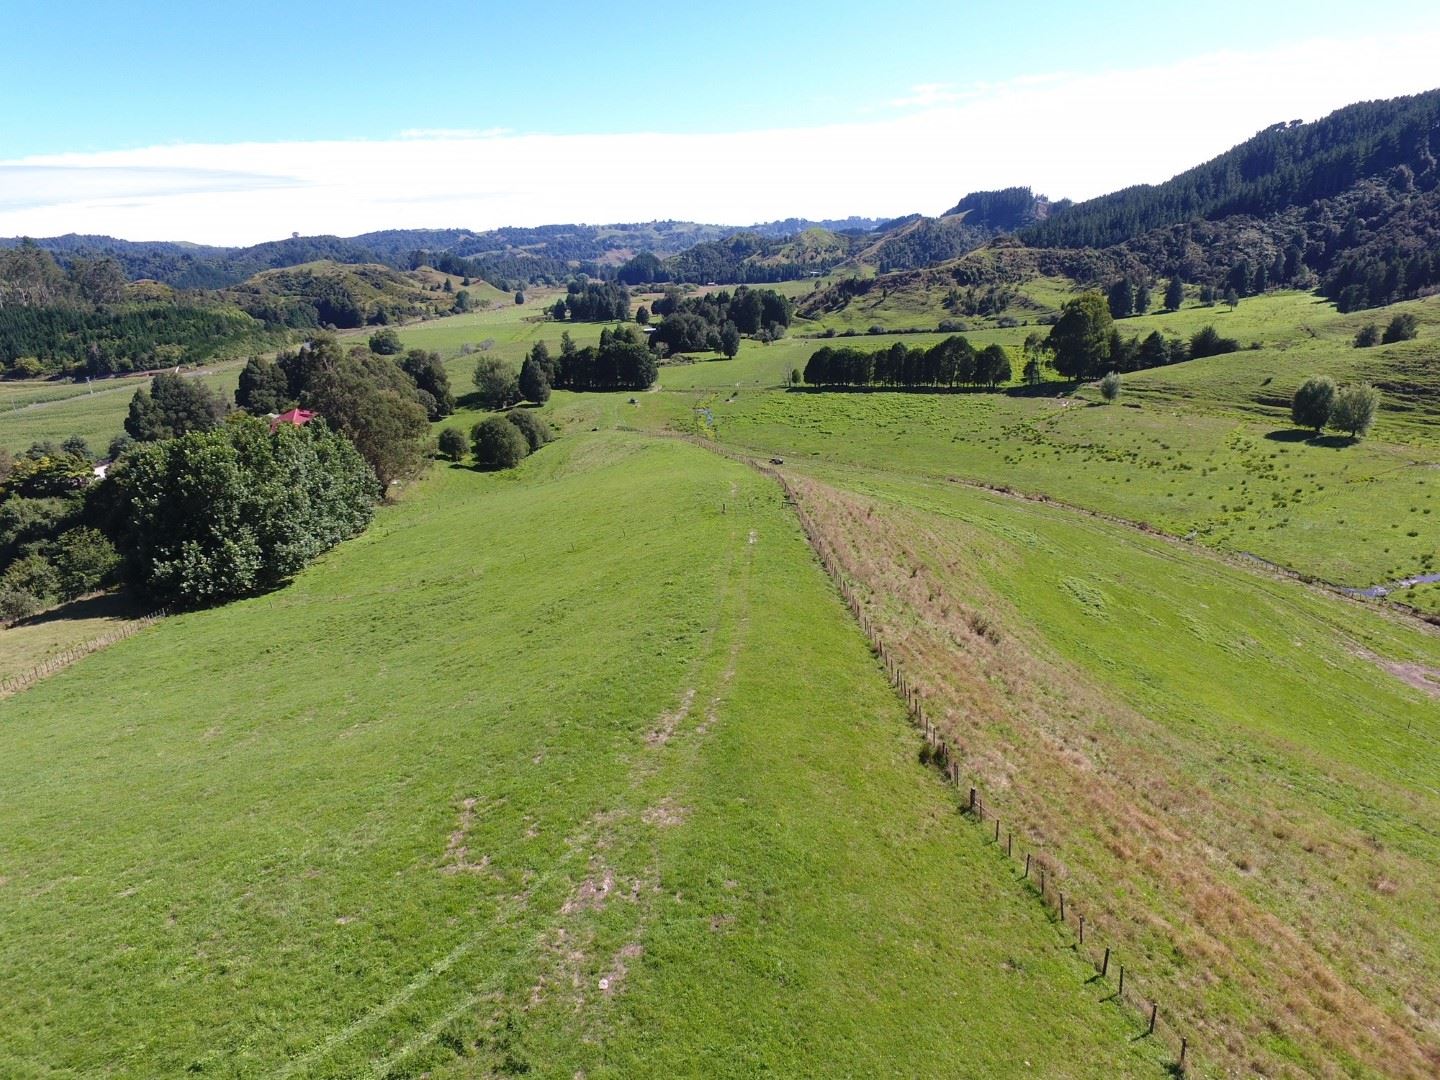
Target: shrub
536 431
33 574
1207 342
1401 328
1310 407
498 444
84 561
385 342
1110 386
17 604
1369 335
452 444
1354 408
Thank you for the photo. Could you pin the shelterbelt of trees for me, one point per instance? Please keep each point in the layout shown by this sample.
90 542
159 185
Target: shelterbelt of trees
1084 343
949 363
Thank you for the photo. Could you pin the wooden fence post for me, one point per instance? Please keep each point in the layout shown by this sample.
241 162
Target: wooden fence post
1062 907
1105 963
1154 1011
1027 866
1121 992
972 800
1184 1045
1082 929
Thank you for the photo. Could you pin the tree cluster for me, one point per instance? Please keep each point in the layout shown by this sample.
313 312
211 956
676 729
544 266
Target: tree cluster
714 322
506 439
214 515
592 301
1085 344
1319 403
622 361
49 548
949 363
382 404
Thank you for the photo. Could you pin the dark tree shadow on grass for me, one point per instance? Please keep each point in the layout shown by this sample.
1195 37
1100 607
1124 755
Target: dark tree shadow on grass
1310 438
119 606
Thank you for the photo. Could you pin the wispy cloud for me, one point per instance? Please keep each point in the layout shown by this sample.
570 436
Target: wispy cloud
1063 134
25 186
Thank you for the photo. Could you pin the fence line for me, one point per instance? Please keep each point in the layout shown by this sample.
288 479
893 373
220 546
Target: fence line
1038 875
13 684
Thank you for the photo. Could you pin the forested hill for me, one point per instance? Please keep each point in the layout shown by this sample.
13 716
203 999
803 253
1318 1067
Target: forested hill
1286 165
1006 210
508 254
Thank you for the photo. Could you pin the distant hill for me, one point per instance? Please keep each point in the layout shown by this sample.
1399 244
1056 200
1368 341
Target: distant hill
327 293
1351 202
1005 210
504 256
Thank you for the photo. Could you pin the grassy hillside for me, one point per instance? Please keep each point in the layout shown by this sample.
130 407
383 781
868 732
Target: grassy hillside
1203 449
1232 776
576 769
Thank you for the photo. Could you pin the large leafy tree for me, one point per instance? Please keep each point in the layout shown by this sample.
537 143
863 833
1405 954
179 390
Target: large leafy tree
1311 405
432 380
217 514
173 405
373 403
1353 411
497 383
1080 339
263 388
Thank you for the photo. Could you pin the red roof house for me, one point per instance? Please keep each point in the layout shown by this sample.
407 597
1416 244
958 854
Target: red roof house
295 418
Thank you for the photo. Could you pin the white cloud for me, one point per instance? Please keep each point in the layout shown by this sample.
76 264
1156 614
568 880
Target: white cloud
1067 135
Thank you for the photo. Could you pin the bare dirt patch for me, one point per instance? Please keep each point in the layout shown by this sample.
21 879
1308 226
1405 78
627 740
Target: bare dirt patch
665 814
457 853
1416 675
665 728
591 894
611 981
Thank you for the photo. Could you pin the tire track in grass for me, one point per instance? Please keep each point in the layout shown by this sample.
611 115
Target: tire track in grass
588 839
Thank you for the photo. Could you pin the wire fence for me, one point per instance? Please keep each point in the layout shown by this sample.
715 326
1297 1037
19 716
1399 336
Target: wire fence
13 684
1037 872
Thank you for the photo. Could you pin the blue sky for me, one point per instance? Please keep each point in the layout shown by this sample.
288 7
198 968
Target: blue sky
97 84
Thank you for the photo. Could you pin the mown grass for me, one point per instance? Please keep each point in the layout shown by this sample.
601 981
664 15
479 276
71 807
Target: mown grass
1233 776
600 718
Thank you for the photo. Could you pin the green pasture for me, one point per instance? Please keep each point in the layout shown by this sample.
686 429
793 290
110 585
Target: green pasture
1284 738
580 768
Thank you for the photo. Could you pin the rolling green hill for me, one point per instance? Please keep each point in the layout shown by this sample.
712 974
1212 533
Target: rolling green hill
613 786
